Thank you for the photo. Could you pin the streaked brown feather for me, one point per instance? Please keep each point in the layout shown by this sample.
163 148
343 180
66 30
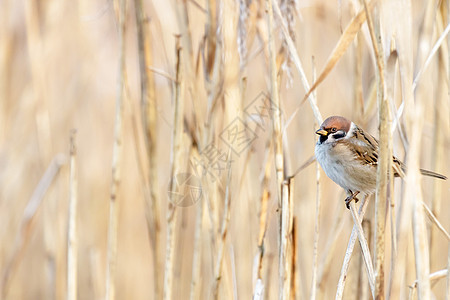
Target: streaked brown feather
368 154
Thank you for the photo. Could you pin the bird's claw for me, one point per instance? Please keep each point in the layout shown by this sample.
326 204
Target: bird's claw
350 198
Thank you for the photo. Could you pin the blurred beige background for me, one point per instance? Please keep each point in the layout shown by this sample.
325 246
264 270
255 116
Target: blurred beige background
59 65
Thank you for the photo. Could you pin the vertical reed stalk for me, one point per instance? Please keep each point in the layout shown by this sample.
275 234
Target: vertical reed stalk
317 216
196 259
223 236
295 278
116 162
447 283
176 164
316 236
385 153
263 216
285 239
415 194
72 245
276 113
438 156
148 111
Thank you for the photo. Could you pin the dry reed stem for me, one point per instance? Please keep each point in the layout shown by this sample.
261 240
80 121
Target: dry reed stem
364 248
414 115
435 221
282 188
447 289
211 40
116 161
35 51
438 156
433 51
363 282
263 215
27 223
72 242
294 255
176 163
162 73
317 216
258 291
26 80
196 259
426 32
413 193
384 165
404 46
148 113
349 251
308 162
328 252
276 113
358 100
223 236
433 277
316 236
286 223
390 86
294 55
233 272
6 51
185 34
341 47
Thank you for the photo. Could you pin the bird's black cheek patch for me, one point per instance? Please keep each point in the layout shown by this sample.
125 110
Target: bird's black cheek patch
339 134
323 138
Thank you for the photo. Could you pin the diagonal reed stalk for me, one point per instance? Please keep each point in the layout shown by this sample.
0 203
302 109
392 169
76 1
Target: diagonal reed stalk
28 223
349 251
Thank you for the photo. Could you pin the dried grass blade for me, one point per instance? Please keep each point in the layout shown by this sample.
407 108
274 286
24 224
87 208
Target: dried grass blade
298 64
433 51
435 221
341 47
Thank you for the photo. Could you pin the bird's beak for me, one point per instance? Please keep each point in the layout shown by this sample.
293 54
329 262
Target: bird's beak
322 132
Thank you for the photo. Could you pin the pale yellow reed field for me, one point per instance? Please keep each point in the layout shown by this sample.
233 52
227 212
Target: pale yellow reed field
151 90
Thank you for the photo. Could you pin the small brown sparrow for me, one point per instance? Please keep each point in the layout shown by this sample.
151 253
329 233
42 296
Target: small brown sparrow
349 156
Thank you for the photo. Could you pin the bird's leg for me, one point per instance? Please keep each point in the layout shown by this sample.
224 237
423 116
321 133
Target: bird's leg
351 196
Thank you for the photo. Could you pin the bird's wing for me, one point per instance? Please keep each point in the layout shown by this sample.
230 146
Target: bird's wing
366 149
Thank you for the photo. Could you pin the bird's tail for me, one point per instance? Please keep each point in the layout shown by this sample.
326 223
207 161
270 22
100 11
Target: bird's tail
432 174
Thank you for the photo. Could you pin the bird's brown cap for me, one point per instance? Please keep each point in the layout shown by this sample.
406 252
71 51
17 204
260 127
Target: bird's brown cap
333 124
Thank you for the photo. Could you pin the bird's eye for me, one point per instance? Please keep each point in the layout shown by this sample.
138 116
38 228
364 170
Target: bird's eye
333 129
